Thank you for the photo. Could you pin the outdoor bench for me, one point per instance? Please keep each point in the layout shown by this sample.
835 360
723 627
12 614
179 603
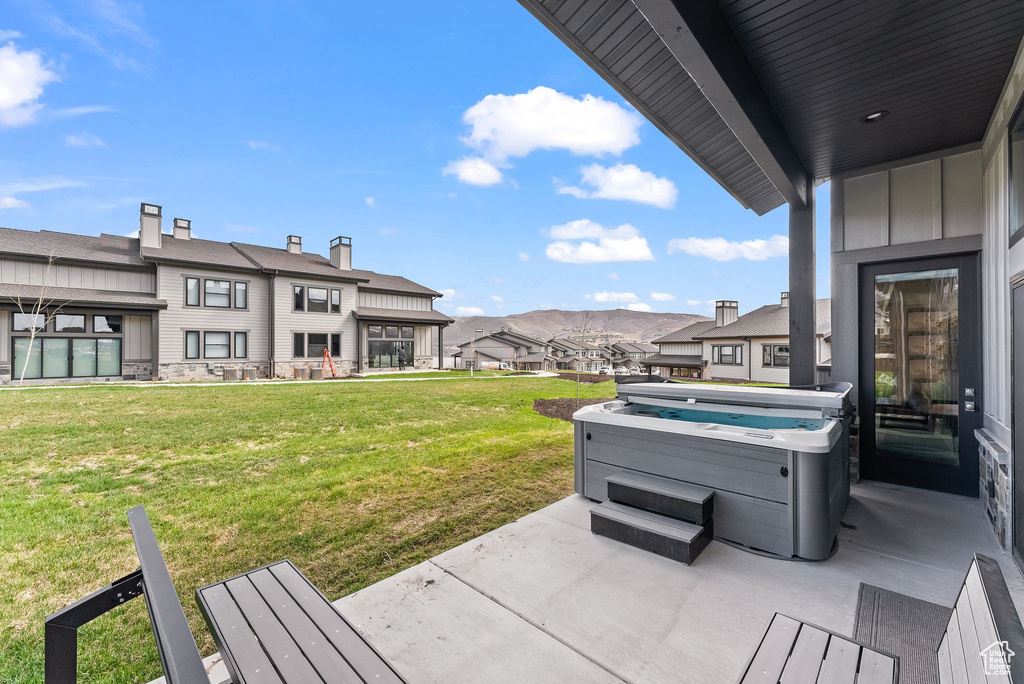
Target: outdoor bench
271 625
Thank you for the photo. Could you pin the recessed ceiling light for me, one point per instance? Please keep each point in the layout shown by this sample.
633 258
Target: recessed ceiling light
875 116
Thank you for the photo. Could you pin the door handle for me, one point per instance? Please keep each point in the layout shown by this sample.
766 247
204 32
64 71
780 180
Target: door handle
969 406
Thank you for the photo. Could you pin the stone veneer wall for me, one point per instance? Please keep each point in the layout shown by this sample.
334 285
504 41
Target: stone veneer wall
995 485
209 371
285 369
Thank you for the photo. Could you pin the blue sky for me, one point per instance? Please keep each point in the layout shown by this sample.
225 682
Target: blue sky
454 142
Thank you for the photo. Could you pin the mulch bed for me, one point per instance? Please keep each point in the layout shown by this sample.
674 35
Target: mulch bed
584 377
563 408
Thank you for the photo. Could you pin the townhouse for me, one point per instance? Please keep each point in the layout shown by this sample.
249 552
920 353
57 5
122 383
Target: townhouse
172 306
505 346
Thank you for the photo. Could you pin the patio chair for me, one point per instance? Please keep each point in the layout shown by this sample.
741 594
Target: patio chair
977 646
271 625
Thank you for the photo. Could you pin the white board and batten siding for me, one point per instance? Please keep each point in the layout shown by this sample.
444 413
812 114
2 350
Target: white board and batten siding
5 336
178 318
681 348
138 339
727 372
57 274
288 321
390 300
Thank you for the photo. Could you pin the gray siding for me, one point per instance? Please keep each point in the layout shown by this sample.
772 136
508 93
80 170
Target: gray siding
178 318
28 272
682 348
138 339
5 336
287 321
385 300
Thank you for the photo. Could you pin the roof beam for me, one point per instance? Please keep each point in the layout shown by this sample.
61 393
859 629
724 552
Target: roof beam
699 37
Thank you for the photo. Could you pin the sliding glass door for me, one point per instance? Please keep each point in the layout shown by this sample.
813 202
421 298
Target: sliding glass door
385 354
64 357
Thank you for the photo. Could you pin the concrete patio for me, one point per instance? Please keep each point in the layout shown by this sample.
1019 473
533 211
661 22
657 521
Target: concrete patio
545 600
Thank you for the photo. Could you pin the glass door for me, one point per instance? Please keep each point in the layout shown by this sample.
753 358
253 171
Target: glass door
919 394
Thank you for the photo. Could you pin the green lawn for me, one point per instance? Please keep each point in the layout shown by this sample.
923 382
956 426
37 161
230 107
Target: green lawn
351 481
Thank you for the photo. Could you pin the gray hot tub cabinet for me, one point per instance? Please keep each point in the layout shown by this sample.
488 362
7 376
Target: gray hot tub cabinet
769 495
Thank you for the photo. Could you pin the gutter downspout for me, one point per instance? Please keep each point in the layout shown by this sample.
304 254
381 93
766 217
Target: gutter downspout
359 346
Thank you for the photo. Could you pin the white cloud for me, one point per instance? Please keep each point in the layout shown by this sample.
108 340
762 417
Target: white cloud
10 190
262 145
10 35
693 302
71 112
84 140
469 311
504 126
662 296
12 203
624 182
720 249
523 256
639 306
613 276
387 230
498 299
606 297
23 76
623 243
447 292
474 170
371 202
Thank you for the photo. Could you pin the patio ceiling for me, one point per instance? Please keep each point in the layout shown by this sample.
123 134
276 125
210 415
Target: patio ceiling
785 84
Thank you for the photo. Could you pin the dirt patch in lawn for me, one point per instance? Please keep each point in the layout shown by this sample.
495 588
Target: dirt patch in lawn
563 408
584 377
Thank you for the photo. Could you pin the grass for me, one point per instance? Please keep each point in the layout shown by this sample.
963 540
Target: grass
351 481
391 375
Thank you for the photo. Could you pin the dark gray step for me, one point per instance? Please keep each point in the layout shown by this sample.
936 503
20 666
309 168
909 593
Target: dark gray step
681 541
658 494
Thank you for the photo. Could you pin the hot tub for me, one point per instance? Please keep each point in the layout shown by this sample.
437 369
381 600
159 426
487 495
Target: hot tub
776 458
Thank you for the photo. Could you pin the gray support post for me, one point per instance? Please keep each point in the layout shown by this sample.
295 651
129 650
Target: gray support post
802 363
440 347
359 347
155 343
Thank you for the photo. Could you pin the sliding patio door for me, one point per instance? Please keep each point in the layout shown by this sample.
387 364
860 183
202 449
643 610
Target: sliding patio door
920 373
1018 424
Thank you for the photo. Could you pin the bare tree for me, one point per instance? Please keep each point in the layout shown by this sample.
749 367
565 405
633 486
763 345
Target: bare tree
584 332
41 309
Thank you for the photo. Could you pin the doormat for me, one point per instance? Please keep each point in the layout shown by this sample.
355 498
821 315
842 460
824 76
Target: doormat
904 626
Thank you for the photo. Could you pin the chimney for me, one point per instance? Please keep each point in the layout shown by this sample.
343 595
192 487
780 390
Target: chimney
726 312
784 300
341 253
150 229
182 229
294 244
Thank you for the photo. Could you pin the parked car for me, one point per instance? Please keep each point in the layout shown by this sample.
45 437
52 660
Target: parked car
604 370
622 370
635 370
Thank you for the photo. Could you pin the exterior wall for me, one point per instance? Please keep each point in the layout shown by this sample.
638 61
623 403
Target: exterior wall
34 272
387 300
731 372
137 346
682 348
422 349
178 318
761 373
287 321
5 340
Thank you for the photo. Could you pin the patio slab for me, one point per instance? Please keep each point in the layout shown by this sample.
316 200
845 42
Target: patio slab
543 599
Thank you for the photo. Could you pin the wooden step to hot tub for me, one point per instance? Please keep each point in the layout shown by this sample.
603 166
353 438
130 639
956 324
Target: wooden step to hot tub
658 494
676 539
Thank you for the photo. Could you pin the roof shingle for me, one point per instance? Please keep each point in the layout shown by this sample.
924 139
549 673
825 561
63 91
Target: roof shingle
116 250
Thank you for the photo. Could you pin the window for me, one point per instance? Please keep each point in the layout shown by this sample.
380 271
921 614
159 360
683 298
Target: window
407 332
83 358
317 301
108 357
191 291
192 344
218 293
299 345
335 301
390 331
59 357
316 345
28 358
29 322
69 324
241 295
106 324
241 345
298 298
335 344
1016 165
55 358
727 354
775 355
375 331
217 345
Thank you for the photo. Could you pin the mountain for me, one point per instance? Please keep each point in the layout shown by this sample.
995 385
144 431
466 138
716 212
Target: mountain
614 324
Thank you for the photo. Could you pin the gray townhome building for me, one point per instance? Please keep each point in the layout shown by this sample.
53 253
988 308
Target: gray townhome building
171 306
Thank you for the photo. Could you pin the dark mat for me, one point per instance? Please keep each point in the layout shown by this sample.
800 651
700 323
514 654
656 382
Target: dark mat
903 626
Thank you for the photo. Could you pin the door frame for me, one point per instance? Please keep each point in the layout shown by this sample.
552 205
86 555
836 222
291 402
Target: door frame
1016 379
920 474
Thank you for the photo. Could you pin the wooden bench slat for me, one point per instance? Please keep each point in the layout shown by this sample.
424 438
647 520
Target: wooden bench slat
981 613
955 651
284 653
840 665
363 658
772 653
876 668
969 640
805 662
234 637
944 669
330 664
